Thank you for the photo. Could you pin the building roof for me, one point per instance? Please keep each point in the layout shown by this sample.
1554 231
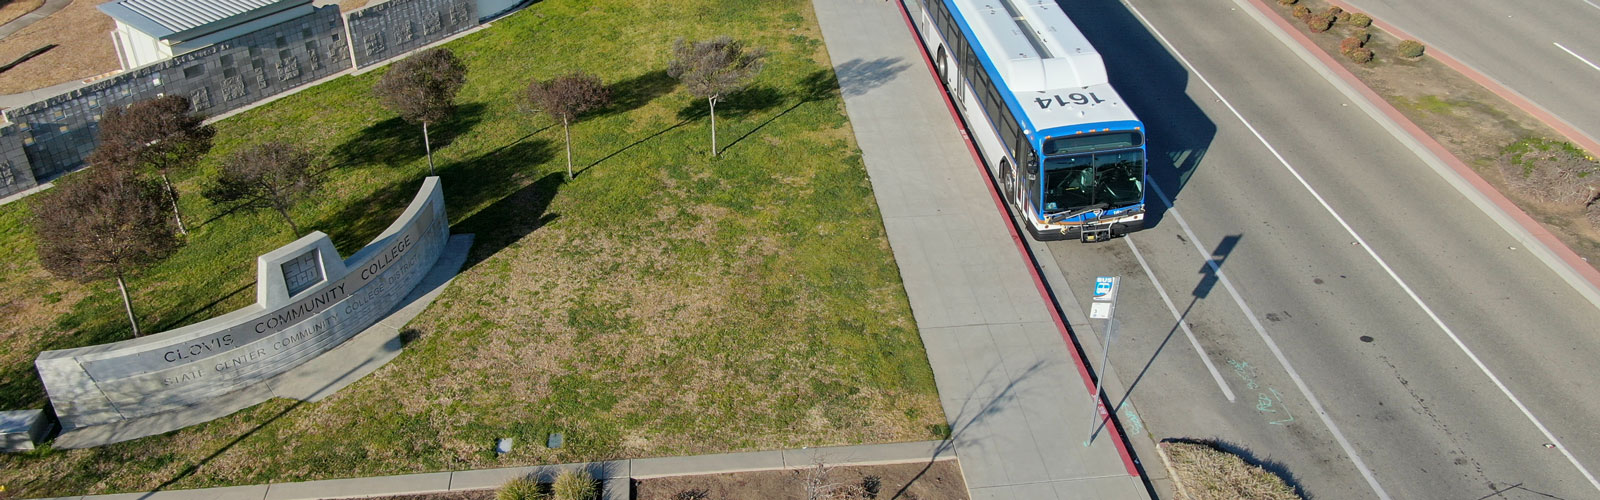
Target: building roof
166 19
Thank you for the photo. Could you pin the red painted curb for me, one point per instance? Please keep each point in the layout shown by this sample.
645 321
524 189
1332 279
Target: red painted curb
1565 253
1114 428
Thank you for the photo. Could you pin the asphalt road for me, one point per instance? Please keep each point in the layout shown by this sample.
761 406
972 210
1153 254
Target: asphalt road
1516 44
1398 395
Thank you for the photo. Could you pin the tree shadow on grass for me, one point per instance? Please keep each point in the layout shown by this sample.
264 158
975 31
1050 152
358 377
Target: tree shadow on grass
634 93
467 184
510 218
354 225
860 76
734 106
395 142
631 145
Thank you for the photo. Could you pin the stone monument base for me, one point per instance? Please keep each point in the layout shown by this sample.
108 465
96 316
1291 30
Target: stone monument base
21 430
318 378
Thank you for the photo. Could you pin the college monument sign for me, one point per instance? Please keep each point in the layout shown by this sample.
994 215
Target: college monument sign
309 302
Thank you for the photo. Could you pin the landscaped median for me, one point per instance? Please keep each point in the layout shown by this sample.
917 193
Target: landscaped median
1516 154
664 302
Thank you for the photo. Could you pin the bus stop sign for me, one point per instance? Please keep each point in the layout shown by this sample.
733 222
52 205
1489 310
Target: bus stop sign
1105 288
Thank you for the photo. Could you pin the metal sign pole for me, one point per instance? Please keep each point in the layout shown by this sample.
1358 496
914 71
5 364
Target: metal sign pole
1104 307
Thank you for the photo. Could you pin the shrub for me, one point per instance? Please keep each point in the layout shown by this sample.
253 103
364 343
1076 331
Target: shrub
1349 44
1287 3
1410 49
1333 12
574 485
1319 23
1302 12
519 489
1360 55
1363 35
1360 20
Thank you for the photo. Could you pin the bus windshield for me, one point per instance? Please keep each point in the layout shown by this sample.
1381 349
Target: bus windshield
1115 178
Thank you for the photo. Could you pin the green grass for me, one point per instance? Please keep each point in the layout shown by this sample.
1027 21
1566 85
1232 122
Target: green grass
1431 104
662 303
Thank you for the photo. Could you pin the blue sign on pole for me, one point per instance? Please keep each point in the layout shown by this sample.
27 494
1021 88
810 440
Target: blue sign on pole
1104 287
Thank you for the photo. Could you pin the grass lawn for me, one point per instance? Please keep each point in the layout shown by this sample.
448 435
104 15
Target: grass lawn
662 303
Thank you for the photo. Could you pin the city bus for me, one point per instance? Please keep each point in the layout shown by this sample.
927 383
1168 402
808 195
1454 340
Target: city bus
1067 153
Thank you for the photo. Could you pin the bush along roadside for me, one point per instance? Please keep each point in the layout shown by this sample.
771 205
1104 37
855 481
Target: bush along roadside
1555 182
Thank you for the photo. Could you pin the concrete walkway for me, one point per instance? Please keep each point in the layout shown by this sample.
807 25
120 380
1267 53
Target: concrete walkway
49 7
616 475
1011 388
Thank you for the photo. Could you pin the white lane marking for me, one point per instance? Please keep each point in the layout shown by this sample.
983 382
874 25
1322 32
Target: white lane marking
1592 4
1176 316
1283 361
1575 54
1370 252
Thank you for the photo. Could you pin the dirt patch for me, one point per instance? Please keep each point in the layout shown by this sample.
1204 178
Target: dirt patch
13 9
940 480
1487 133
1203 472
83 38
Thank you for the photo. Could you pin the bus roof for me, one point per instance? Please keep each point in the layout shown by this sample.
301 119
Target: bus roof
1056 77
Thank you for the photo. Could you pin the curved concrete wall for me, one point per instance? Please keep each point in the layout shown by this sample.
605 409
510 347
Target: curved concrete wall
308 301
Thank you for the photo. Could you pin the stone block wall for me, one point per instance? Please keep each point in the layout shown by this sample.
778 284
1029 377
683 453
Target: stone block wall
52 137
389 29
57 134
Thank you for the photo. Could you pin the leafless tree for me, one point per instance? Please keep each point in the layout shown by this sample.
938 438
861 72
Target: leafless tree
817 484
566 97
103 223
158 134
268 176
714 69
422 89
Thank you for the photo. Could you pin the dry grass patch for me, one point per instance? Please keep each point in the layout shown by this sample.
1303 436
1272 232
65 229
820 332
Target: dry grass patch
1203 472
83 38
10 10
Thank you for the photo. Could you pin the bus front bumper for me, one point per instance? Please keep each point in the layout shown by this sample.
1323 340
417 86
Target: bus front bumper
1088 233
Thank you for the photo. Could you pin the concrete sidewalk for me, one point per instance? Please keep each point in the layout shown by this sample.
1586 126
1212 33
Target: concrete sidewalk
615 475
15 25
1013 392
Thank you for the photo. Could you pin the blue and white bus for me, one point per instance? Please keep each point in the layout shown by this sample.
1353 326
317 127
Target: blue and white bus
1068 153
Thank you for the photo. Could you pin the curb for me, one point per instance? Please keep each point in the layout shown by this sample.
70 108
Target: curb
1494 86
1555 254
616 475
1114 426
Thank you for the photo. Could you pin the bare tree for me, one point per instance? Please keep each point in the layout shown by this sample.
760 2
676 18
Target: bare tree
103 223
159 134
268 176
422 89
714 69
565 98
815 481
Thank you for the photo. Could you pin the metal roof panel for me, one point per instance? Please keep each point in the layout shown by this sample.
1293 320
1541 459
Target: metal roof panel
163 18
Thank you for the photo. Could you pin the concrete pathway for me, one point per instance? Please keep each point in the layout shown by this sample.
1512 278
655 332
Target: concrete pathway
49 7
1014 393
615 475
